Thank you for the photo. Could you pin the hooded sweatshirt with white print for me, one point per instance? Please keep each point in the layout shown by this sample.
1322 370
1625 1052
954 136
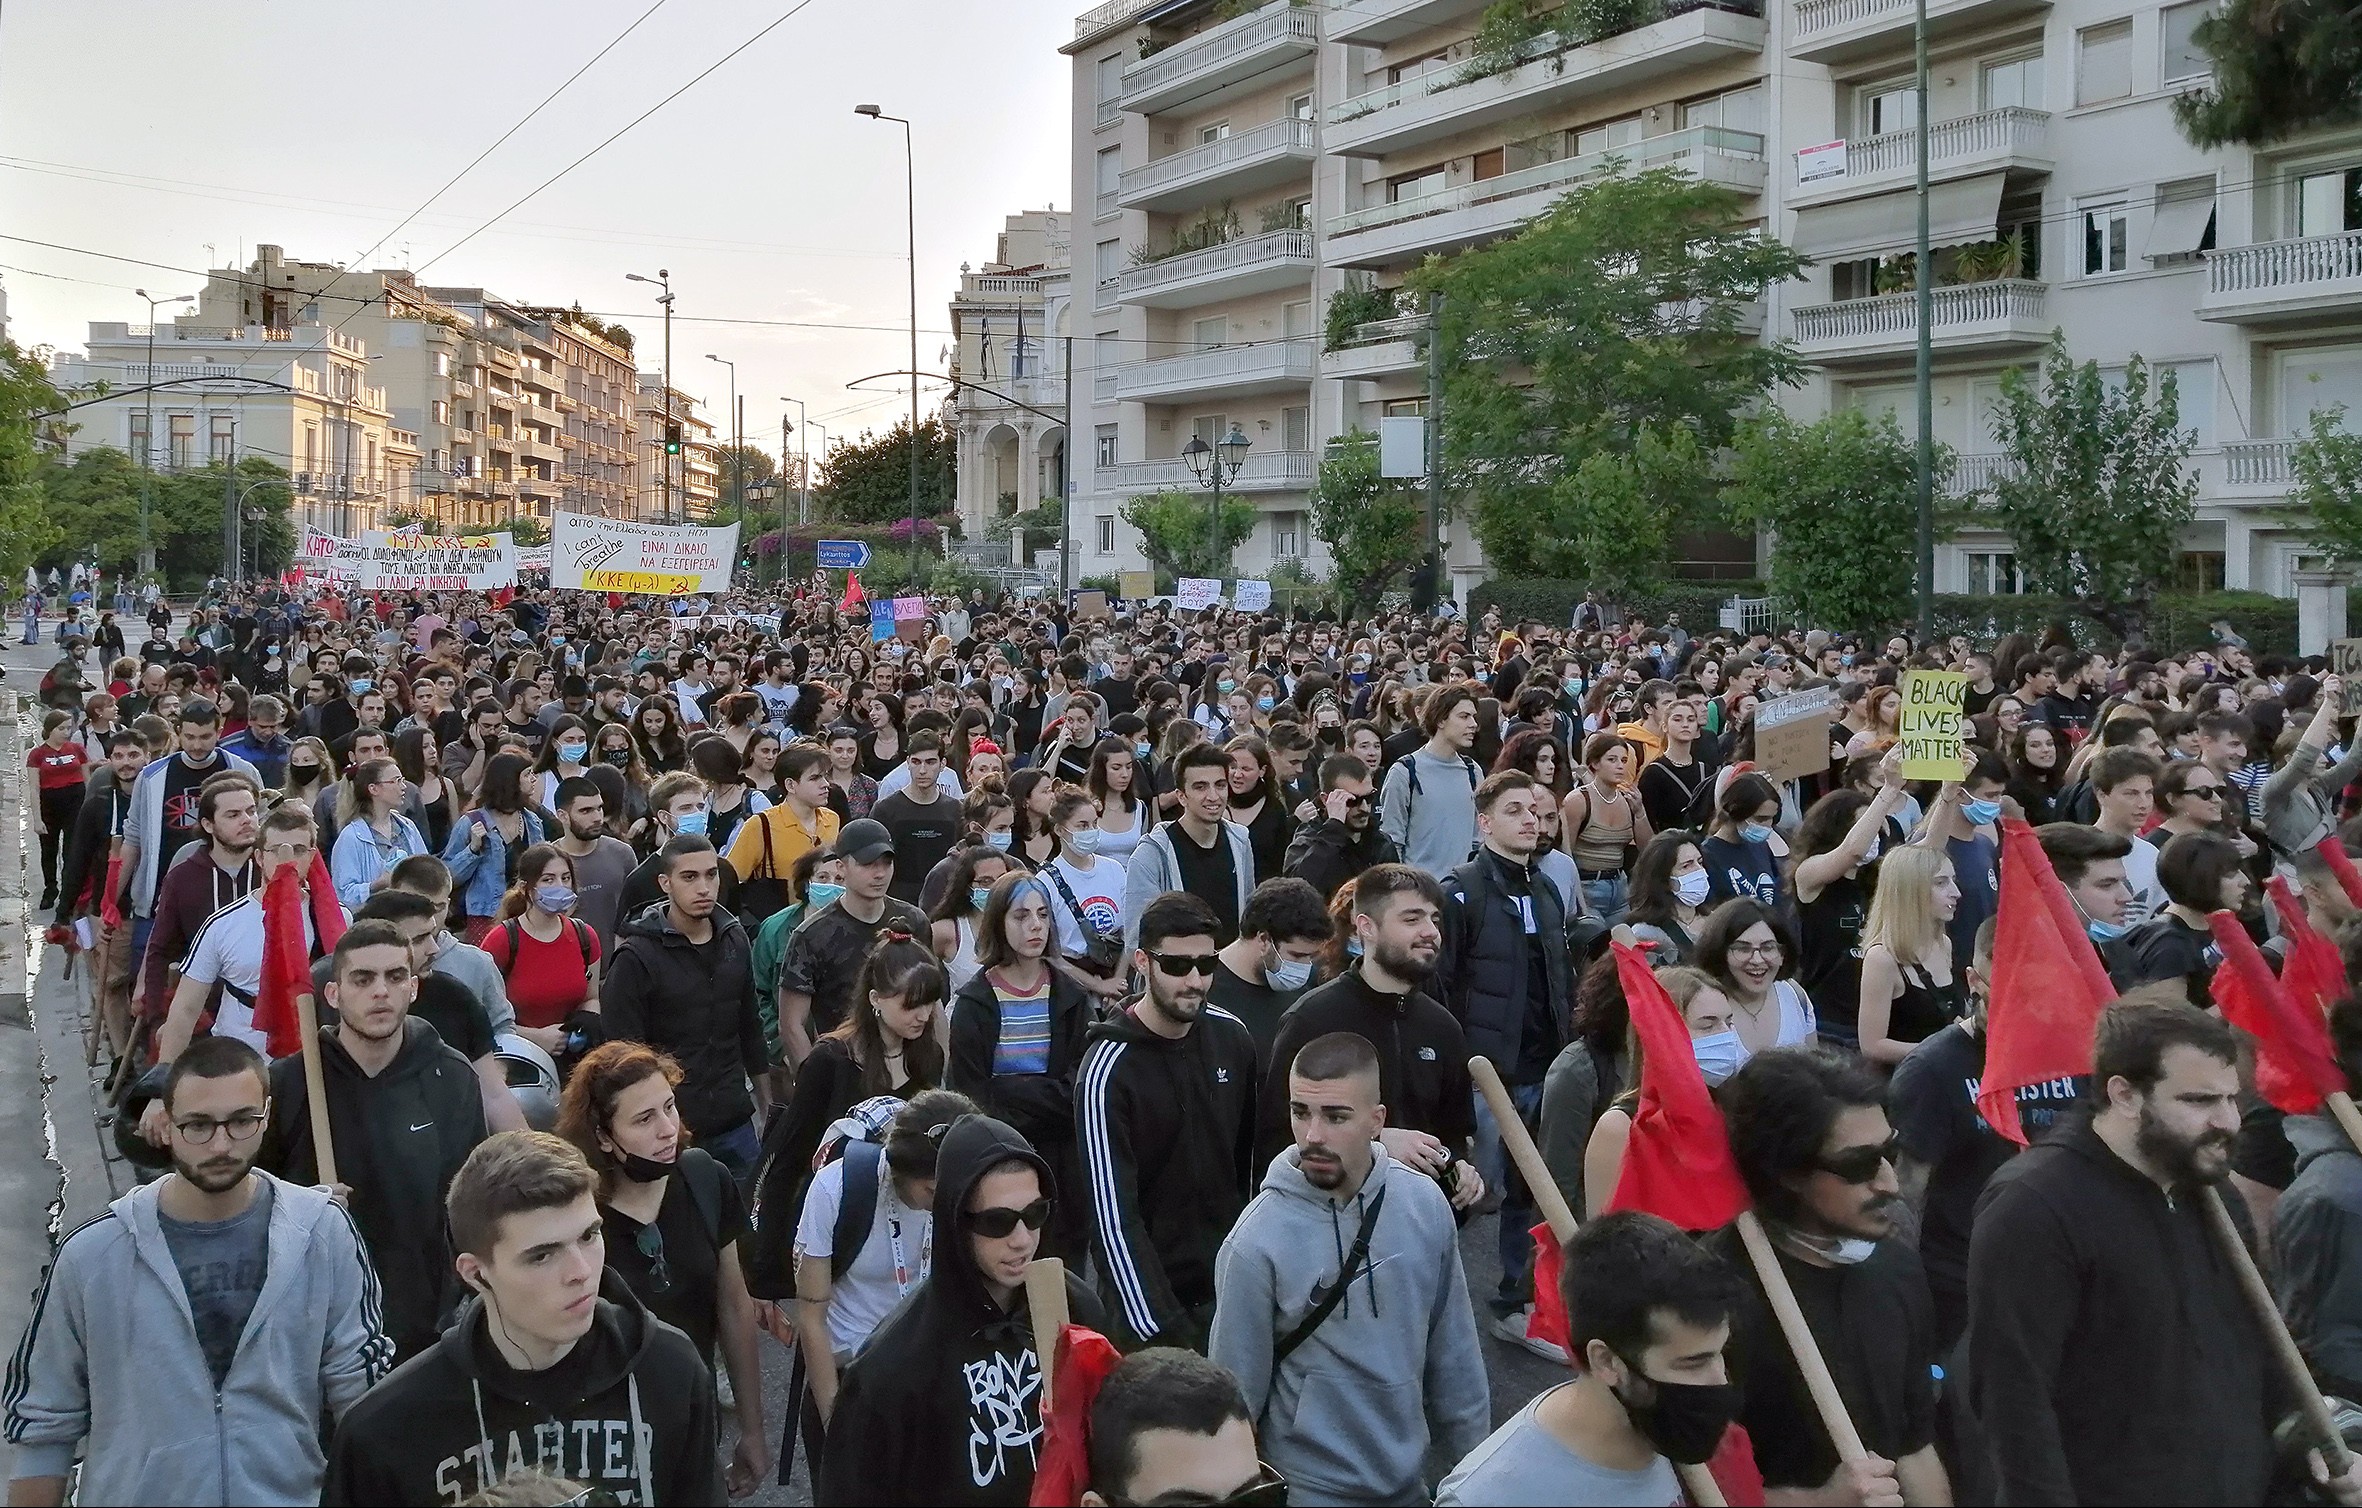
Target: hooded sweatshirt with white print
1396 1366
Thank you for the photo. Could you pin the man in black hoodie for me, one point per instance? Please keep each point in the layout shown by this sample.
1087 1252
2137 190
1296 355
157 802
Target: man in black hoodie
1165 1105
1344 839
943 1405
553 1365
2112 1357
405 1112
682 981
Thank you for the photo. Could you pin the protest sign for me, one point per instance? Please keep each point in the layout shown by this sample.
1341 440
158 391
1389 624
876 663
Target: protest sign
1090 604
2345 662
1930 725
1792 733
436 562
1197 592
625 555
1134 586
535 559
1251 596
881 619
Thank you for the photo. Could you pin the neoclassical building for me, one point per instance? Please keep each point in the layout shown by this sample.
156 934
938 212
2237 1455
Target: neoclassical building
1009 355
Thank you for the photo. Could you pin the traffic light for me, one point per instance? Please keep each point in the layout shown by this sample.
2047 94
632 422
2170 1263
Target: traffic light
672 439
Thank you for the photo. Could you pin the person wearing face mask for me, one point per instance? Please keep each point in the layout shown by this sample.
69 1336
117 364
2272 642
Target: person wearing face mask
1742 848
954 919
1714 1038
676 808
1649 1314
2091 864
1669 893
549 958
1964 820
1809 1132
1282 933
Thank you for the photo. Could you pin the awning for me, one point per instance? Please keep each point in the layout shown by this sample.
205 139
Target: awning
2178 226
1964 210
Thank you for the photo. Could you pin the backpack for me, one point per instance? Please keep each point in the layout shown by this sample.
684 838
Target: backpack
513 930
1410 775
703 1176
857 1206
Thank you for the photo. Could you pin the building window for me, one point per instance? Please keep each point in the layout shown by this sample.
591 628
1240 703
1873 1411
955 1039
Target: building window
2182 226
1104 438
1296 319
2014 82
1208 334
2198 571
1111 169
1111 259
1210 427
2106 234
1397 408
1287 535
1486 165
224 443
442 363
139 435
1733 110
1881 108
1295 428
183 438
1994 573
2327 203
1607 136
2103 63
442 411
1111 77
2319 380
2184 58
1414 185
1106 539
1300 108
1208 135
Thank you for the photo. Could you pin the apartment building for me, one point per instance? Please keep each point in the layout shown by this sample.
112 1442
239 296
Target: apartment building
1010 323
2062 196
597 402
679 488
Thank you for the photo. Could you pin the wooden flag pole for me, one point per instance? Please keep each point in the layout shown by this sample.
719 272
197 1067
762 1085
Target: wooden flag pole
1696 1481
2341 1107
2285 1355
1045 1302
315 1088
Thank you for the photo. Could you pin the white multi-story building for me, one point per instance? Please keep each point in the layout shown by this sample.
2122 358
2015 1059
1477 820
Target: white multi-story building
674 488
2063 196
1010 324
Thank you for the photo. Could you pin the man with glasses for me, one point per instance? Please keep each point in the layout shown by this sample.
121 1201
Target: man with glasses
1170 1427
148 1346
1808 1129
1345 838
1165 1103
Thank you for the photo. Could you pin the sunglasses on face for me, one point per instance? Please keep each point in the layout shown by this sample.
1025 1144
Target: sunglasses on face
2204 792
996 1223
1182 965
1268 1490
1861 1164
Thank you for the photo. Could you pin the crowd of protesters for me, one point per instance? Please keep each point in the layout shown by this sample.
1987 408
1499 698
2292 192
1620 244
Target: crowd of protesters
700 976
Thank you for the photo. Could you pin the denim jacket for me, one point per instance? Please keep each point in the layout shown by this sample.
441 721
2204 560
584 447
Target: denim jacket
479 878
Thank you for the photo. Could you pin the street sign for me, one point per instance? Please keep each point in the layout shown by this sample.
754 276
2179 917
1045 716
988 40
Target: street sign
844 554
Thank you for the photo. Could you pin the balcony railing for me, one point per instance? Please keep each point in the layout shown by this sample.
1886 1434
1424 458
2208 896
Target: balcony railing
1003 286
1264 471
1275 26
1974 474
1377 331
1225 367
1231 257
1897 314
1813 17
1216 156
2259 463
1113 13
2013 131
1563 173
1109 113
2273 265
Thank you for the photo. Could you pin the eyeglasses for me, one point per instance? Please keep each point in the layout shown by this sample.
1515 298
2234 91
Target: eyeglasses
1756 950
1182 965
2204 792
1268 1490
997 1222
1861 1164
197 1131
289 850
650 1241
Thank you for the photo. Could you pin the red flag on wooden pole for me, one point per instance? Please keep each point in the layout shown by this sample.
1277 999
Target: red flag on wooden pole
854 596
2048 987
2295 1066
2333 853
1678 1163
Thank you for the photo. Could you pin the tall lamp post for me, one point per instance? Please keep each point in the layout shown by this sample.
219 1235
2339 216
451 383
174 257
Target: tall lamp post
663 280
1215 465
911 180
737 435
147 449
803 490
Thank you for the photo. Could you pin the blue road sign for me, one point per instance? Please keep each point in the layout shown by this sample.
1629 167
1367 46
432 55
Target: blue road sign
844 554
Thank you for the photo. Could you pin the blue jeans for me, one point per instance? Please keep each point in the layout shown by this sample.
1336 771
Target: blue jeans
1517 1202
737 1149
1607 898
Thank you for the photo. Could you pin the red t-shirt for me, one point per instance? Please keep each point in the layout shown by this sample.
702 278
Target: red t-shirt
61 769
547 981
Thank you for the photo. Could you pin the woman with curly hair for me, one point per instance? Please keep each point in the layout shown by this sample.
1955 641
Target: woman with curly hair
656 732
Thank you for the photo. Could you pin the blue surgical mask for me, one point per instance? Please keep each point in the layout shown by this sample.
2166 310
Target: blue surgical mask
2102 932
573 753
1693 888
1139 751
819 893
1226 684
1264 704
1353 947
978 895
1084 840
689 825
999 841
1982 812
1719 1055
361 685
554 897
1289 974
1755 832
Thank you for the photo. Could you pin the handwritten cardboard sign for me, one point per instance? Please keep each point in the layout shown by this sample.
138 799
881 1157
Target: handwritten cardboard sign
1933 712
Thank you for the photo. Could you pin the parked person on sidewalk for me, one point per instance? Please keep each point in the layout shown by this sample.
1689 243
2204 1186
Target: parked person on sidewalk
62 768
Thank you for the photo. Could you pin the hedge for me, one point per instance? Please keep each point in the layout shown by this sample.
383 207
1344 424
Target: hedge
1553 601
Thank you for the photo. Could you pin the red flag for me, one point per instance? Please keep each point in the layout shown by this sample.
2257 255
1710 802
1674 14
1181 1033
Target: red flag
1678 1163
1734 1470
2313 972
110 904
2048 987
1062 1471
1547 1319
853 593
2294 1064
286 963
2333 853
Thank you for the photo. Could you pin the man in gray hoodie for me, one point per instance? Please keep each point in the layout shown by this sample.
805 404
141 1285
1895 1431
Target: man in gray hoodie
1340 1303
194 1335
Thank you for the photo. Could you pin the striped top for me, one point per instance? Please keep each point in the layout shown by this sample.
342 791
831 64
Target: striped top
1024 1045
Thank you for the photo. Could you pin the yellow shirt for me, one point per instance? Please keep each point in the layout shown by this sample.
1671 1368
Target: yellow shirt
767 847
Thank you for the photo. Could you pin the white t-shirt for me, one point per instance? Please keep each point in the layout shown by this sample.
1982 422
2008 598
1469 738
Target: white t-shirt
868 1291
227 950
2140 874
1099 890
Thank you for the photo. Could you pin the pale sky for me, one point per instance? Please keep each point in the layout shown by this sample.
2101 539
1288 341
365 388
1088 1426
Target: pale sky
150 128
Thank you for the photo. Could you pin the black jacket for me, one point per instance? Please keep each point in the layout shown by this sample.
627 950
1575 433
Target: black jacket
828 1083
695 1001
943 1405
1168 1143
1484 965
2111 1355
1422 1060
1040 1106
1325 854
399 1139
88 846
630 1409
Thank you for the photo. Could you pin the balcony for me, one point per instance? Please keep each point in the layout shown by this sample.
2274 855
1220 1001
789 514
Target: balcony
1973 475
2013 137
1836 31
1556 73
2284 282
1226 371
1997 316
1380 348
1379 235
1372 22
2259 467
1250 52
1264 471
1264 157
1107 17
1258 264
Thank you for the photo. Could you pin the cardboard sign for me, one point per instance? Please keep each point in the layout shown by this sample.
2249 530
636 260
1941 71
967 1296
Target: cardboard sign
881 619
1251 596
1090 605
1929 727
1135 586
2345 662
625 555
1196 592
1792 733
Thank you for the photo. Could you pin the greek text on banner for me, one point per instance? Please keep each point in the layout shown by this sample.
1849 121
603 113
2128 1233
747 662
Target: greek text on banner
624 555
436 563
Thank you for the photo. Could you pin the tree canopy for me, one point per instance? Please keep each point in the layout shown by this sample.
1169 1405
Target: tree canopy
1174 527
2325 505
2280 67
1375 528
1840 500
868 480
25 527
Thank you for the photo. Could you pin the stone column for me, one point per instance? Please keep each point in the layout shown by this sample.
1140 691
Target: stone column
2321 607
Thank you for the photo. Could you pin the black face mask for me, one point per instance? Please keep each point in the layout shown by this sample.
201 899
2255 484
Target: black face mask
648 1170
1686 1420
620 758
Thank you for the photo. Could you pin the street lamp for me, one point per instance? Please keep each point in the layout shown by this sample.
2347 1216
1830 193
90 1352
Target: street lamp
1214 465
737 435
803 479
147 449
663 280
911 181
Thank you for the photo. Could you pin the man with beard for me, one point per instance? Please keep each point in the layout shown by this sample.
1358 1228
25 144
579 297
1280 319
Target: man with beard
192 1337
1808 1131
202 883
1295 1314
1165 1103
1344 839
602 863
2112 1356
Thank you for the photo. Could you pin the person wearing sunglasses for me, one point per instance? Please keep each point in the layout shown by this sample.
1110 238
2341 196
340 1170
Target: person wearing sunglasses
147 1345
944 1403
1344 838
1165 1106
1170 1427
1809 1133
2201 873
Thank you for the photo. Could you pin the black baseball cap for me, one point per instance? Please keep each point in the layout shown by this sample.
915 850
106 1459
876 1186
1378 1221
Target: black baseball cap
864 840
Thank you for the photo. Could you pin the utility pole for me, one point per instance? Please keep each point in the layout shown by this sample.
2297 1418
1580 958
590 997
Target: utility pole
738 436
1434 450
910 171
147 449
672 429
1066 527
1925 375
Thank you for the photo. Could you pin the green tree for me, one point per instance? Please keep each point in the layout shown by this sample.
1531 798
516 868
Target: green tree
1375 528
26 528
525 531
95 501
1567 399
757 467
2098 491
1173 528
94 498
868 480
2325 505
2280 67
1841 501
